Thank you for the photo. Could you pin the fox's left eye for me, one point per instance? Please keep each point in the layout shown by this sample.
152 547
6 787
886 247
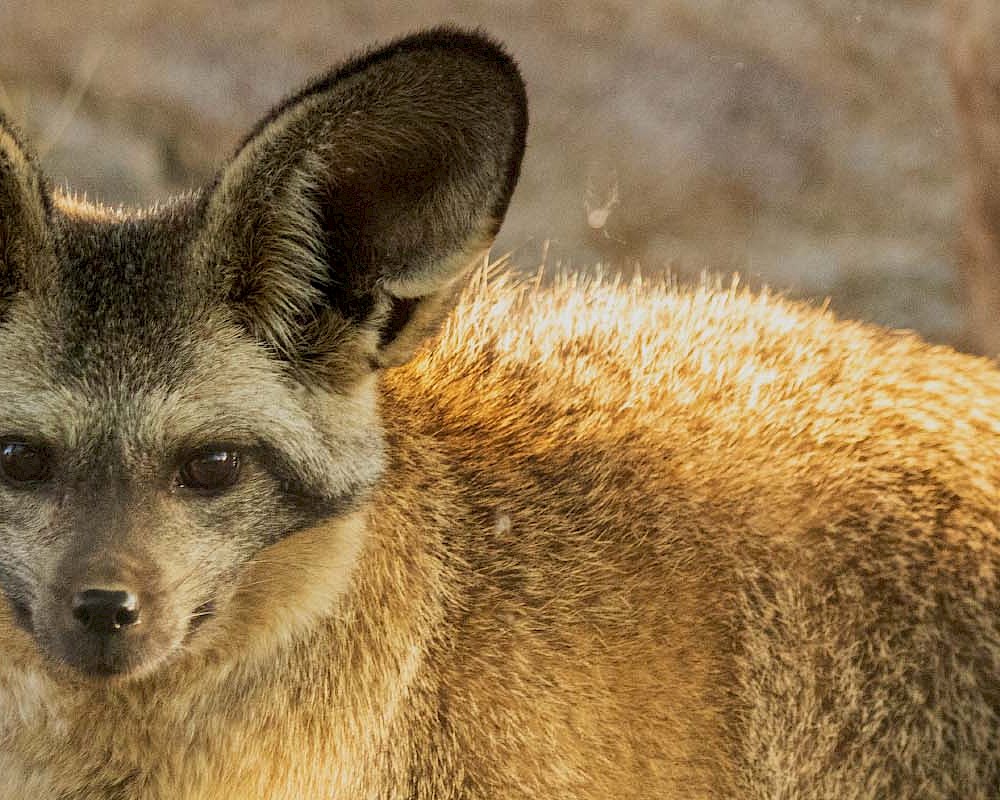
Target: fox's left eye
211 470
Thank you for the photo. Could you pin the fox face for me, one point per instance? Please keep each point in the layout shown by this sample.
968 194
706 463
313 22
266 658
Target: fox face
135 487
187 386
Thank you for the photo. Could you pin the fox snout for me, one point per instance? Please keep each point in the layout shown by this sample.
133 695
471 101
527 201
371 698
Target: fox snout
111 622
101 631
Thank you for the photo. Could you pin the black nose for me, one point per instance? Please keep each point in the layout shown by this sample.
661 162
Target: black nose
105 611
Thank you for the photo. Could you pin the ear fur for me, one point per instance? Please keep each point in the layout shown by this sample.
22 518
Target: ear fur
349 212
25 209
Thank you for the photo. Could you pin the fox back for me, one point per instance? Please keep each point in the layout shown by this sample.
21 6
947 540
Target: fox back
287 512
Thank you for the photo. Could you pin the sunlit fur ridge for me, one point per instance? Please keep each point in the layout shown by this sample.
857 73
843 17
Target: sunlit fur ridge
670 358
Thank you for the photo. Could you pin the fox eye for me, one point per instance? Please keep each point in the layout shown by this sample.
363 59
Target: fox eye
211 470
22 463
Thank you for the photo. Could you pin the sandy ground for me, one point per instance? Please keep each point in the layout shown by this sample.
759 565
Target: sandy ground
808 144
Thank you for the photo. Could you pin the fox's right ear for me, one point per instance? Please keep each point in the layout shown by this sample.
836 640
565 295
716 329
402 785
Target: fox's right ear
344 221
25 206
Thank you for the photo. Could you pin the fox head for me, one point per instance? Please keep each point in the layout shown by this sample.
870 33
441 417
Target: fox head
187 386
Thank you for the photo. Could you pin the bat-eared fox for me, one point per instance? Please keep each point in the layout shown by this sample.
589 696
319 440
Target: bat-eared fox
293 507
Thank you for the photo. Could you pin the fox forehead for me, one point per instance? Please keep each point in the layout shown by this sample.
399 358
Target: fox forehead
123 298
111 311
126 344
223 404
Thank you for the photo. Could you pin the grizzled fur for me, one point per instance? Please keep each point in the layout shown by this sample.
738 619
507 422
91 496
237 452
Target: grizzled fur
593 541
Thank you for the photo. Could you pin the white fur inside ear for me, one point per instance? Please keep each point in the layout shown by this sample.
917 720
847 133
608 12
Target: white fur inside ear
284 262
441 275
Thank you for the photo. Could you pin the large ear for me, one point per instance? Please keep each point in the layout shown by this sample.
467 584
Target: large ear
25 208
350 211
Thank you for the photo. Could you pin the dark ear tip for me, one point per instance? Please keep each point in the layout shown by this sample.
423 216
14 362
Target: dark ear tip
473 42
479 45
448 39
509 99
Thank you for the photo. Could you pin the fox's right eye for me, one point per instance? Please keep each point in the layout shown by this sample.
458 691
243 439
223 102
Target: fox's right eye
22 463
211 470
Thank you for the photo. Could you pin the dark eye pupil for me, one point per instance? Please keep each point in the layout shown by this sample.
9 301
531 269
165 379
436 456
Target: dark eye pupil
217 469
22 463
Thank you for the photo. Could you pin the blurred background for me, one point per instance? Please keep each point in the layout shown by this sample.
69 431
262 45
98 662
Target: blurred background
811 145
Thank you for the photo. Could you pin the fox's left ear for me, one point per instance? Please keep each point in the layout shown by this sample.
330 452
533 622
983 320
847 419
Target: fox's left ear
25 208
348 214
